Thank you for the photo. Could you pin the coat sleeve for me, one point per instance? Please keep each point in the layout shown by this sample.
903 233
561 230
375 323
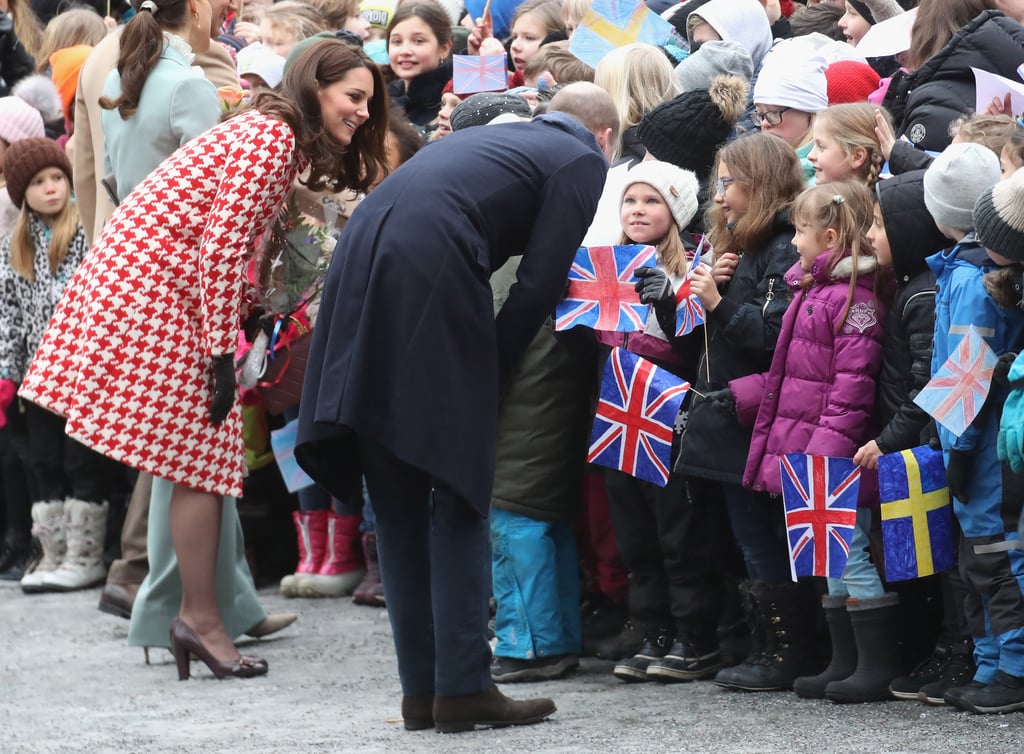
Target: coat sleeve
195 108
752 327
217 65
244 200
907 424
567 205
748 391
12 330
857 359
906 157
16 63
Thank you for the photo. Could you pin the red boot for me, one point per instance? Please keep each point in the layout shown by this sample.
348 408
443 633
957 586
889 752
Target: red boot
311 529
342 566
370 591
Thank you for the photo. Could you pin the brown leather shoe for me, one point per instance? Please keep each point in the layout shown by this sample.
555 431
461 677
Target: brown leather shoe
418 712
118 599
271 624
489 708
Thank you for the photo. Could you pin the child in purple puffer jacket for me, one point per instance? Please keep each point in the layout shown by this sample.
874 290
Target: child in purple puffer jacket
819 394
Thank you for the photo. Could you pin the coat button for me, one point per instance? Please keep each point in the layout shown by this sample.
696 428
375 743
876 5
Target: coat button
771 396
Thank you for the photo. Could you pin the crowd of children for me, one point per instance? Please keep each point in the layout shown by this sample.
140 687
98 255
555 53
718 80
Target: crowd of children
844 223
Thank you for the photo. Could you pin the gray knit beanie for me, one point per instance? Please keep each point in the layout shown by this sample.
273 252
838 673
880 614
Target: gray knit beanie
955 180
712 59
999 218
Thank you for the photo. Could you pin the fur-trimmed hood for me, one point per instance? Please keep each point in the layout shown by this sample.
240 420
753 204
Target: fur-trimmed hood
843 269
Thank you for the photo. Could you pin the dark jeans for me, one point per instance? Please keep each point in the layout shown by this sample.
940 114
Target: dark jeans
668 543
17 491
759 524
62 466
435 561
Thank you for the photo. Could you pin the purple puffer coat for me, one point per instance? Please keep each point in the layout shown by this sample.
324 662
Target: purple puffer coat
819 395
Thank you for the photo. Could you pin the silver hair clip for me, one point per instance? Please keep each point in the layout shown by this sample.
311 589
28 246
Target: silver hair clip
149 5
836 198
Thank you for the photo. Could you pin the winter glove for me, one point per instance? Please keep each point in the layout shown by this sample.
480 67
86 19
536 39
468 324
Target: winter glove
223 387
8 390
254 323
653 286
958 473
1001 373
722 400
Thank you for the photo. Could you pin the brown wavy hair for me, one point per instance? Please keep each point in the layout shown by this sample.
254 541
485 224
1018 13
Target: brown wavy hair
142 43
936 23
768 168
332 167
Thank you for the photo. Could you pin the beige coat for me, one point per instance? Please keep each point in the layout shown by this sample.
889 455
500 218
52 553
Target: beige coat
93 204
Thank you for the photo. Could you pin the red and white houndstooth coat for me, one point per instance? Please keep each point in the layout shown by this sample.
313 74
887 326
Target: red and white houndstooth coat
126 357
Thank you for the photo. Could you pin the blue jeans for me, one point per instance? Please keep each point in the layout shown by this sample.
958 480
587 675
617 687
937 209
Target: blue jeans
536 585
860 578
759 525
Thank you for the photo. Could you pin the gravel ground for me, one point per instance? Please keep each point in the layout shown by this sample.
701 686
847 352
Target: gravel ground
71 684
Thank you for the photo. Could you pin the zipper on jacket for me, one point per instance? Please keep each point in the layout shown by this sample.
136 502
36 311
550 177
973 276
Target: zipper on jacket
769 296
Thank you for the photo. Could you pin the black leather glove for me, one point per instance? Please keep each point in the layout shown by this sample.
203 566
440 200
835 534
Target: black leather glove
1000 374
223 387
958 473
254 323
722 400
653 286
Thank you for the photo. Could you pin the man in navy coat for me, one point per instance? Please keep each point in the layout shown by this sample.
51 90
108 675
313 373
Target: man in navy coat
408 361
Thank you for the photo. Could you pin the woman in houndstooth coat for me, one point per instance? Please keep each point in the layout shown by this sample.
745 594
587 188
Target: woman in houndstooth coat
139 355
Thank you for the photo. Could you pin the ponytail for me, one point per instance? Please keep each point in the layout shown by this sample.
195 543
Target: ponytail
142 43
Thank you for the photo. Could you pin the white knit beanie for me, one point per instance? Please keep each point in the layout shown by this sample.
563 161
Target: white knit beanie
793 75
955 180
19 120
999 217
677 187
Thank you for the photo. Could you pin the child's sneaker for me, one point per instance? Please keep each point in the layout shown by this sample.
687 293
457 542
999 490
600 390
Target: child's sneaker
928 671
689 659
655 646
958 671
954 696
512 669
623 644
1004 694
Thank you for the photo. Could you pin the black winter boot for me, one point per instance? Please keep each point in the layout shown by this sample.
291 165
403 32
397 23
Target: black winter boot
656 645
878 658
927 671
748 601
784 627
844 651
694 655
958 671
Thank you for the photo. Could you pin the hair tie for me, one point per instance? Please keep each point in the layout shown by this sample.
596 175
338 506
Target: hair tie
150 6
836 198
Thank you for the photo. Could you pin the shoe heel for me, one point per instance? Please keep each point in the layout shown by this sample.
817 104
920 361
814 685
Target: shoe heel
181 658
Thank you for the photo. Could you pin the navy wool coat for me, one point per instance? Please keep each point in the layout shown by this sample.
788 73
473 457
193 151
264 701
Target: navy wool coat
407 352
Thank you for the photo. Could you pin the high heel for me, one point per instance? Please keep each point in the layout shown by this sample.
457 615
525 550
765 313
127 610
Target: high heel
184 641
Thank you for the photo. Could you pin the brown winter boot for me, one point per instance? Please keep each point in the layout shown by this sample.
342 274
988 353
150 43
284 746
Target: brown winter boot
370 590
488 708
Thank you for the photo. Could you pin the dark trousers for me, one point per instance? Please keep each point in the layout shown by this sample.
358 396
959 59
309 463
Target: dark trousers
62 466
17 492
667 542
435 561
759 524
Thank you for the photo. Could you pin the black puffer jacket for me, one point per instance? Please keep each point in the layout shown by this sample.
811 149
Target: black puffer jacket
907 344
15 62
924 103
742 331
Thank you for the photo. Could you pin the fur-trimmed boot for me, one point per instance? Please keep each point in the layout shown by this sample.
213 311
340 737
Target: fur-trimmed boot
844 651
85 524
311 530
48 528
878 659
342 567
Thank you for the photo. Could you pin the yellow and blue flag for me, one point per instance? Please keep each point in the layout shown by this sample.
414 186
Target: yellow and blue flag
917 518
615 23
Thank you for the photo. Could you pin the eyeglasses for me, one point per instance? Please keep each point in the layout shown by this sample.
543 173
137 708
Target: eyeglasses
771 117
722 185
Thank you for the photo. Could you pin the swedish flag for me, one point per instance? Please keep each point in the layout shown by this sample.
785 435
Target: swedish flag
917 518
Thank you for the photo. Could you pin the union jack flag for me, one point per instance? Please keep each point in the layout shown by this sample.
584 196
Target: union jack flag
635 415
689 309
602 293
957 391
820 495
479 73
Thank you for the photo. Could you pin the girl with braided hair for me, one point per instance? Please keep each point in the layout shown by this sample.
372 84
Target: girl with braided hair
845 144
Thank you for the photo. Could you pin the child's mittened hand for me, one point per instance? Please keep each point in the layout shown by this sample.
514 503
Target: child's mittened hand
8 390
653 286
724 268
958 473
867 456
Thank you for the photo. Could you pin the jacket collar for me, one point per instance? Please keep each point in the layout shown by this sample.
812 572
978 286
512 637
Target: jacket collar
570 125
843 269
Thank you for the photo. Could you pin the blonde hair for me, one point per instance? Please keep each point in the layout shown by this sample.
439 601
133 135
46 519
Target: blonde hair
847 207
992 131
336 13
768 168
639 78
548 12
76 26
575 10
852 126
62 232
298 19
27 26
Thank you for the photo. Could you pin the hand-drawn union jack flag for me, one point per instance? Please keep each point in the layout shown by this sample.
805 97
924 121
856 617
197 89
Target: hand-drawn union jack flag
956 393
689 309
602 293
479 73
635 415
820 495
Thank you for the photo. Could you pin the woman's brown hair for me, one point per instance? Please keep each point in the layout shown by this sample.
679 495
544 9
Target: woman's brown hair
332 167
936 23
142 43
768 168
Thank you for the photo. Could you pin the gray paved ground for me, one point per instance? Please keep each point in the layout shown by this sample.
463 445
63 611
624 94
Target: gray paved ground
69 683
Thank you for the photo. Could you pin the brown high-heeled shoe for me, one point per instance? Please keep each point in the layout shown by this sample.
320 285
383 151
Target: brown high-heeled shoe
184 641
